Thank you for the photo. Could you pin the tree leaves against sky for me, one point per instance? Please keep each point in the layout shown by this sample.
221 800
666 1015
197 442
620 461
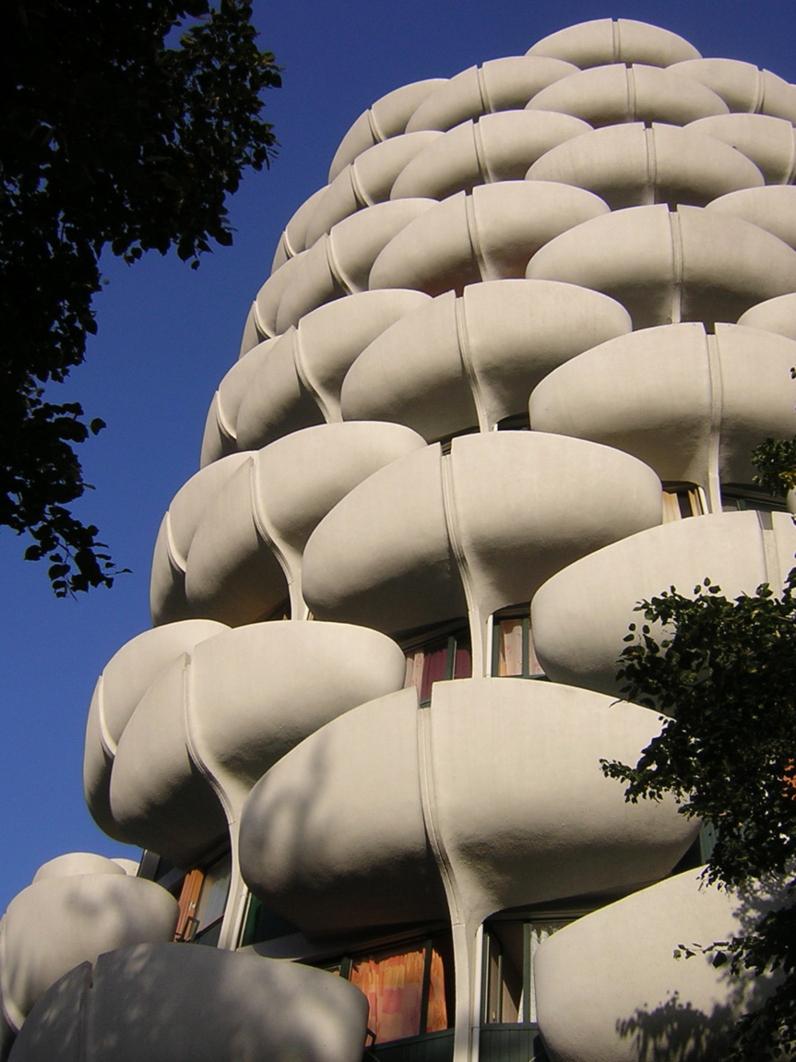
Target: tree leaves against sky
109 136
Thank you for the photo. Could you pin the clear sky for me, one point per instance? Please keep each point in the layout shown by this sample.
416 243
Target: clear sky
167 335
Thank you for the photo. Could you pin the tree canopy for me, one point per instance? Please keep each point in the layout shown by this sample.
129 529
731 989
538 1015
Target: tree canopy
724 671
114 132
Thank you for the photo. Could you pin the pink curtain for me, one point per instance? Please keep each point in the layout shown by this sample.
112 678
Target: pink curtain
393 987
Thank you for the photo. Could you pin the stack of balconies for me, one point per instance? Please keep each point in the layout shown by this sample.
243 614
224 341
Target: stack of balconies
541 311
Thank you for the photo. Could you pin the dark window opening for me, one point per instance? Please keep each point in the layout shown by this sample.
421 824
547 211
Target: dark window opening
508 990
681 500
448 656
740 497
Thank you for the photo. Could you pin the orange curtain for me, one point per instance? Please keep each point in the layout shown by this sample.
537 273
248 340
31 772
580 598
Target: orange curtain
393 987
437 1011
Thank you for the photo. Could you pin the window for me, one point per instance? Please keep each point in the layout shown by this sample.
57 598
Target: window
681 500
513 653
263 924
437 658
508 988
202 901
409 990
736 497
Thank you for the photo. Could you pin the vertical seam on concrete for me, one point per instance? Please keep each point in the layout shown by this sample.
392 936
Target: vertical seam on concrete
652 163
760 95
264 528
472 234
222 420
360 194
630 83
338 276
677 266
303 374
177 559
714 437
463 340
480 155
11 1012
483 91
429 806
258 321
791 177
375 129
616 41
106 738
452 523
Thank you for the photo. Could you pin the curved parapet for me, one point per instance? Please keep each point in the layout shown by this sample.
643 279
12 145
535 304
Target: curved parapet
488 235
243 557
457 363
775 315
376 867
171 1003
498 147
458 526
664 267
502 775
772 209
220 436
121 685
632 165
621 40
209 726
337 264
743 86
690 405
294 238
605 95
167 580
299 384
365 181
662 1006
737 551
386 118
769 142
500 85
89 905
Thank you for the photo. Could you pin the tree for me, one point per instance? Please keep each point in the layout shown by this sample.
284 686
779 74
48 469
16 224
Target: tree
112 134
724 672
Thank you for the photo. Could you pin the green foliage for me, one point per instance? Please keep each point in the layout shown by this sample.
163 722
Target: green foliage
775 461
110 135
724 673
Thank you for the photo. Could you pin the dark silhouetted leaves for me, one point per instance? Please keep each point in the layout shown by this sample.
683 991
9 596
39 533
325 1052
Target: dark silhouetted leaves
724 672
111 137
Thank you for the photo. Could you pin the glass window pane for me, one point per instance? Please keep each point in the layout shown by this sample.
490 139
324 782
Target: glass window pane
510 647
435 669
213 898
463 663
503 995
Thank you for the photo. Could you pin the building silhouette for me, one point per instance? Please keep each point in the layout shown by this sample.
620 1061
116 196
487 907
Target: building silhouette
502 383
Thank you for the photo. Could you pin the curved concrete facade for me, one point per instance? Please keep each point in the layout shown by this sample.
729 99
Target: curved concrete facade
595 241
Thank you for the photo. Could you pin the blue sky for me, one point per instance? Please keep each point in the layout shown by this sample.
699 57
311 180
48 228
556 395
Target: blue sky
167 335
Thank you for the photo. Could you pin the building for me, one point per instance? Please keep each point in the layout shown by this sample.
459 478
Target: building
364 732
